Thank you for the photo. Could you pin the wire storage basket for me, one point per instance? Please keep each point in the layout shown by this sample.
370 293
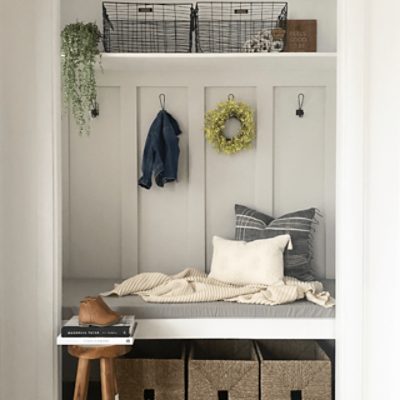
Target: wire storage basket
147 27
236 27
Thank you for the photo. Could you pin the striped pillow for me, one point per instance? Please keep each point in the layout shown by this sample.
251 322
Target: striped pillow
253 225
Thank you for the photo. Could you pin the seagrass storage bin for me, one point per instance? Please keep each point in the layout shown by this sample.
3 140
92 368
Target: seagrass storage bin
153 370
294 370
223 370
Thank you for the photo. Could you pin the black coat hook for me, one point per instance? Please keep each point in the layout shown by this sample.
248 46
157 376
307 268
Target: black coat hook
300 111
94 112
162 100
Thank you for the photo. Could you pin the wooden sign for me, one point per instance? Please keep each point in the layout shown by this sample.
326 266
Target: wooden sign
301 35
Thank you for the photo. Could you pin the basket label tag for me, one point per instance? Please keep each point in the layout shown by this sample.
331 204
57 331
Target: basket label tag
241 11
145 9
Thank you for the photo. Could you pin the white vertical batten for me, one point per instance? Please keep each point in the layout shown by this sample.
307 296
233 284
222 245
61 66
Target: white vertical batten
49 186
196 249
129 173
2 221
350 199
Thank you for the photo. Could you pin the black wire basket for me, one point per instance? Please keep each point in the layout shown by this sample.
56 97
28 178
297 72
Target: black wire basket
147 27
236 27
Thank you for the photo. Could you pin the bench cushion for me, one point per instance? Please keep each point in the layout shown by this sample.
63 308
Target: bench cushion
75 289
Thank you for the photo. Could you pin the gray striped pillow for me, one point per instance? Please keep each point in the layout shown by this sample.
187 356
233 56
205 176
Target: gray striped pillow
253 225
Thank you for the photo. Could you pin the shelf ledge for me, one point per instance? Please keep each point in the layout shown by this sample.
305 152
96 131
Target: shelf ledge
241 328
215 55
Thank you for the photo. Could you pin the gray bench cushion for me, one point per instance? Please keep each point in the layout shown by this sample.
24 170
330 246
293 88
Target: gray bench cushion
75 289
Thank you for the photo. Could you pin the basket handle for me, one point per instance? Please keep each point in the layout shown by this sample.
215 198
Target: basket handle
105 15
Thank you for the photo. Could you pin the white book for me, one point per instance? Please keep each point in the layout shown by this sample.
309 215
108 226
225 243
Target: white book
96 341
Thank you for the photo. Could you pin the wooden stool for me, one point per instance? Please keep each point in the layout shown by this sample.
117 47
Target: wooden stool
106 355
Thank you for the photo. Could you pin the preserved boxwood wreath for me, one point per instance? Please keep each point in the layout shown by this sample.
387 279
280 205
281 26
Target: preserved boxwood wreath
215 125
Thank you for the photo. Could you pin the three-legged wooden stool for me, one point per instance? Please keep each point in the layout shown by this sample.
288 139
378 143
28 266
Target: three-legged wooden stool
106 355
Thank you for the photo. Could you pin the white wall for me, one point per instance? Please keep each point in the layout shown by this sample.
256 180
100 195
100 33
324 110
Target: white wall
94 192
324 11
382 212
114 229
368 186
29 247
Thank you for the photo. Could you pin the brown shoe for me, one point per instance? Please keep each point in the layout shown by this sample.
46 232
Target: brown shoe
94 311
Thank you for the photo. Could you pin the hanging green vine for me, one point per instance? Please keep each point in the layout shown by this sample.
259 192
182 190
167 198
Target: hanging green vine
79 46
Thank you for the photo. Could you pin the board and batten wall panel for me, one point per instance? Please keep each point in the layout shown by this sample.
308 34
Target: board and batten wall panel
115 229
95 193
229 179
300 171
162 211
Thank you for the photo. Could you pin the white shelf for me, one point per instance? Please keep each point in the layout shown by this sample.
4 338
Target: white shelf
158 62
240 328
210 328
216 55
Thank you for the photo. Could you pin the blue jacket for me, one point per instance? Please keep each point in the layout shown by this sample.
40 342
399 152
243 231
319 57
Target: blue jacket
161 151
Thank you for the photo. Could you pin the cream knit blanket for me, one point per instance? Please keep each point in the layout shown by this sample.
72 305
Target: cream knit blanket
194 286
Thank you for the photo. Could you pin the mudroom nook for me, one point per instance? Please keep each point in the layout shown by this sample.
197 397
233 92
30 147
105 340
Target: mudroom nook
213 211
115 229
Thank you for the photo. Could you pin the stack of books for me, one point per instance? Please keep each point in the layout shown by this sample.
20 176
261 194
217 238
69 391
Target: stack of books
74 333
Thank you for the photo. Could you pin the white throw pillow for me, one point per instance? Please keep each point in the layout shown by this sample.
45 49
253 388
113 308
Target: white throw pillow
256 262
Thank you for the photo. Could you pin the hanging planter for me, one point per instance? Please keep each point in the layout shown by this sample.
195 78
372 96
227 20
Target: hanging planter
215 125
80 50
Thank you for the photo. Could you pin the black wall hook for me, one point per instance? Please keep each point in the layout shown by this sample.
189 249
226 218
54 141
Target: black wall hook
300 100
162 100
95 112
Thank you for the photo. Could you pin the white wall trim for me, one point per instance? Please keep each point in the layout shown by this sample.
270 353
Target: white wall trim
30 202
350 197
381 325
236 328
49 261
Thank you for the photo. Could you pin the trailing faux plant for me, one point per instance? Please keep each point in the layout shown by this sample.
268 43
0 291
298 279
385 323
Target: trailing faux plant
80 52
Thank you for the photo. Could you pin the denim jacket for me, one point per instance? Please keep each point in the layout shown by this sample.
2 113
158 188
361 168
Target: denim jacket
161 151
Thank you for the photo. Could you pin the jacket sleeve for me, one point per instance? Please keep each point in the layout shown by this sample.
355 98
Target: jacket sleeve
147 164
170 132
152 161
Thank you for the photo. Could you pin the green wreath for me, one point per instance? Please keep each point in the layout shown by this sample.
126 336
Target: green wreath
215 125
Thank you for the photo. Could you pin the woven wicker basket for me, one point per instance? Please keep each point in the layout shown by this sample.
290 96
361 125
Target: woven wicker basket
294 370
153 370
223 369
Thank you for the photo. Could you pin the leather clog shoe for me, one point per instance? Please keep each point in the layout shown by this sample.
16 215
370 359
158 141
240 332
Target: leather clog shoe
94 311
